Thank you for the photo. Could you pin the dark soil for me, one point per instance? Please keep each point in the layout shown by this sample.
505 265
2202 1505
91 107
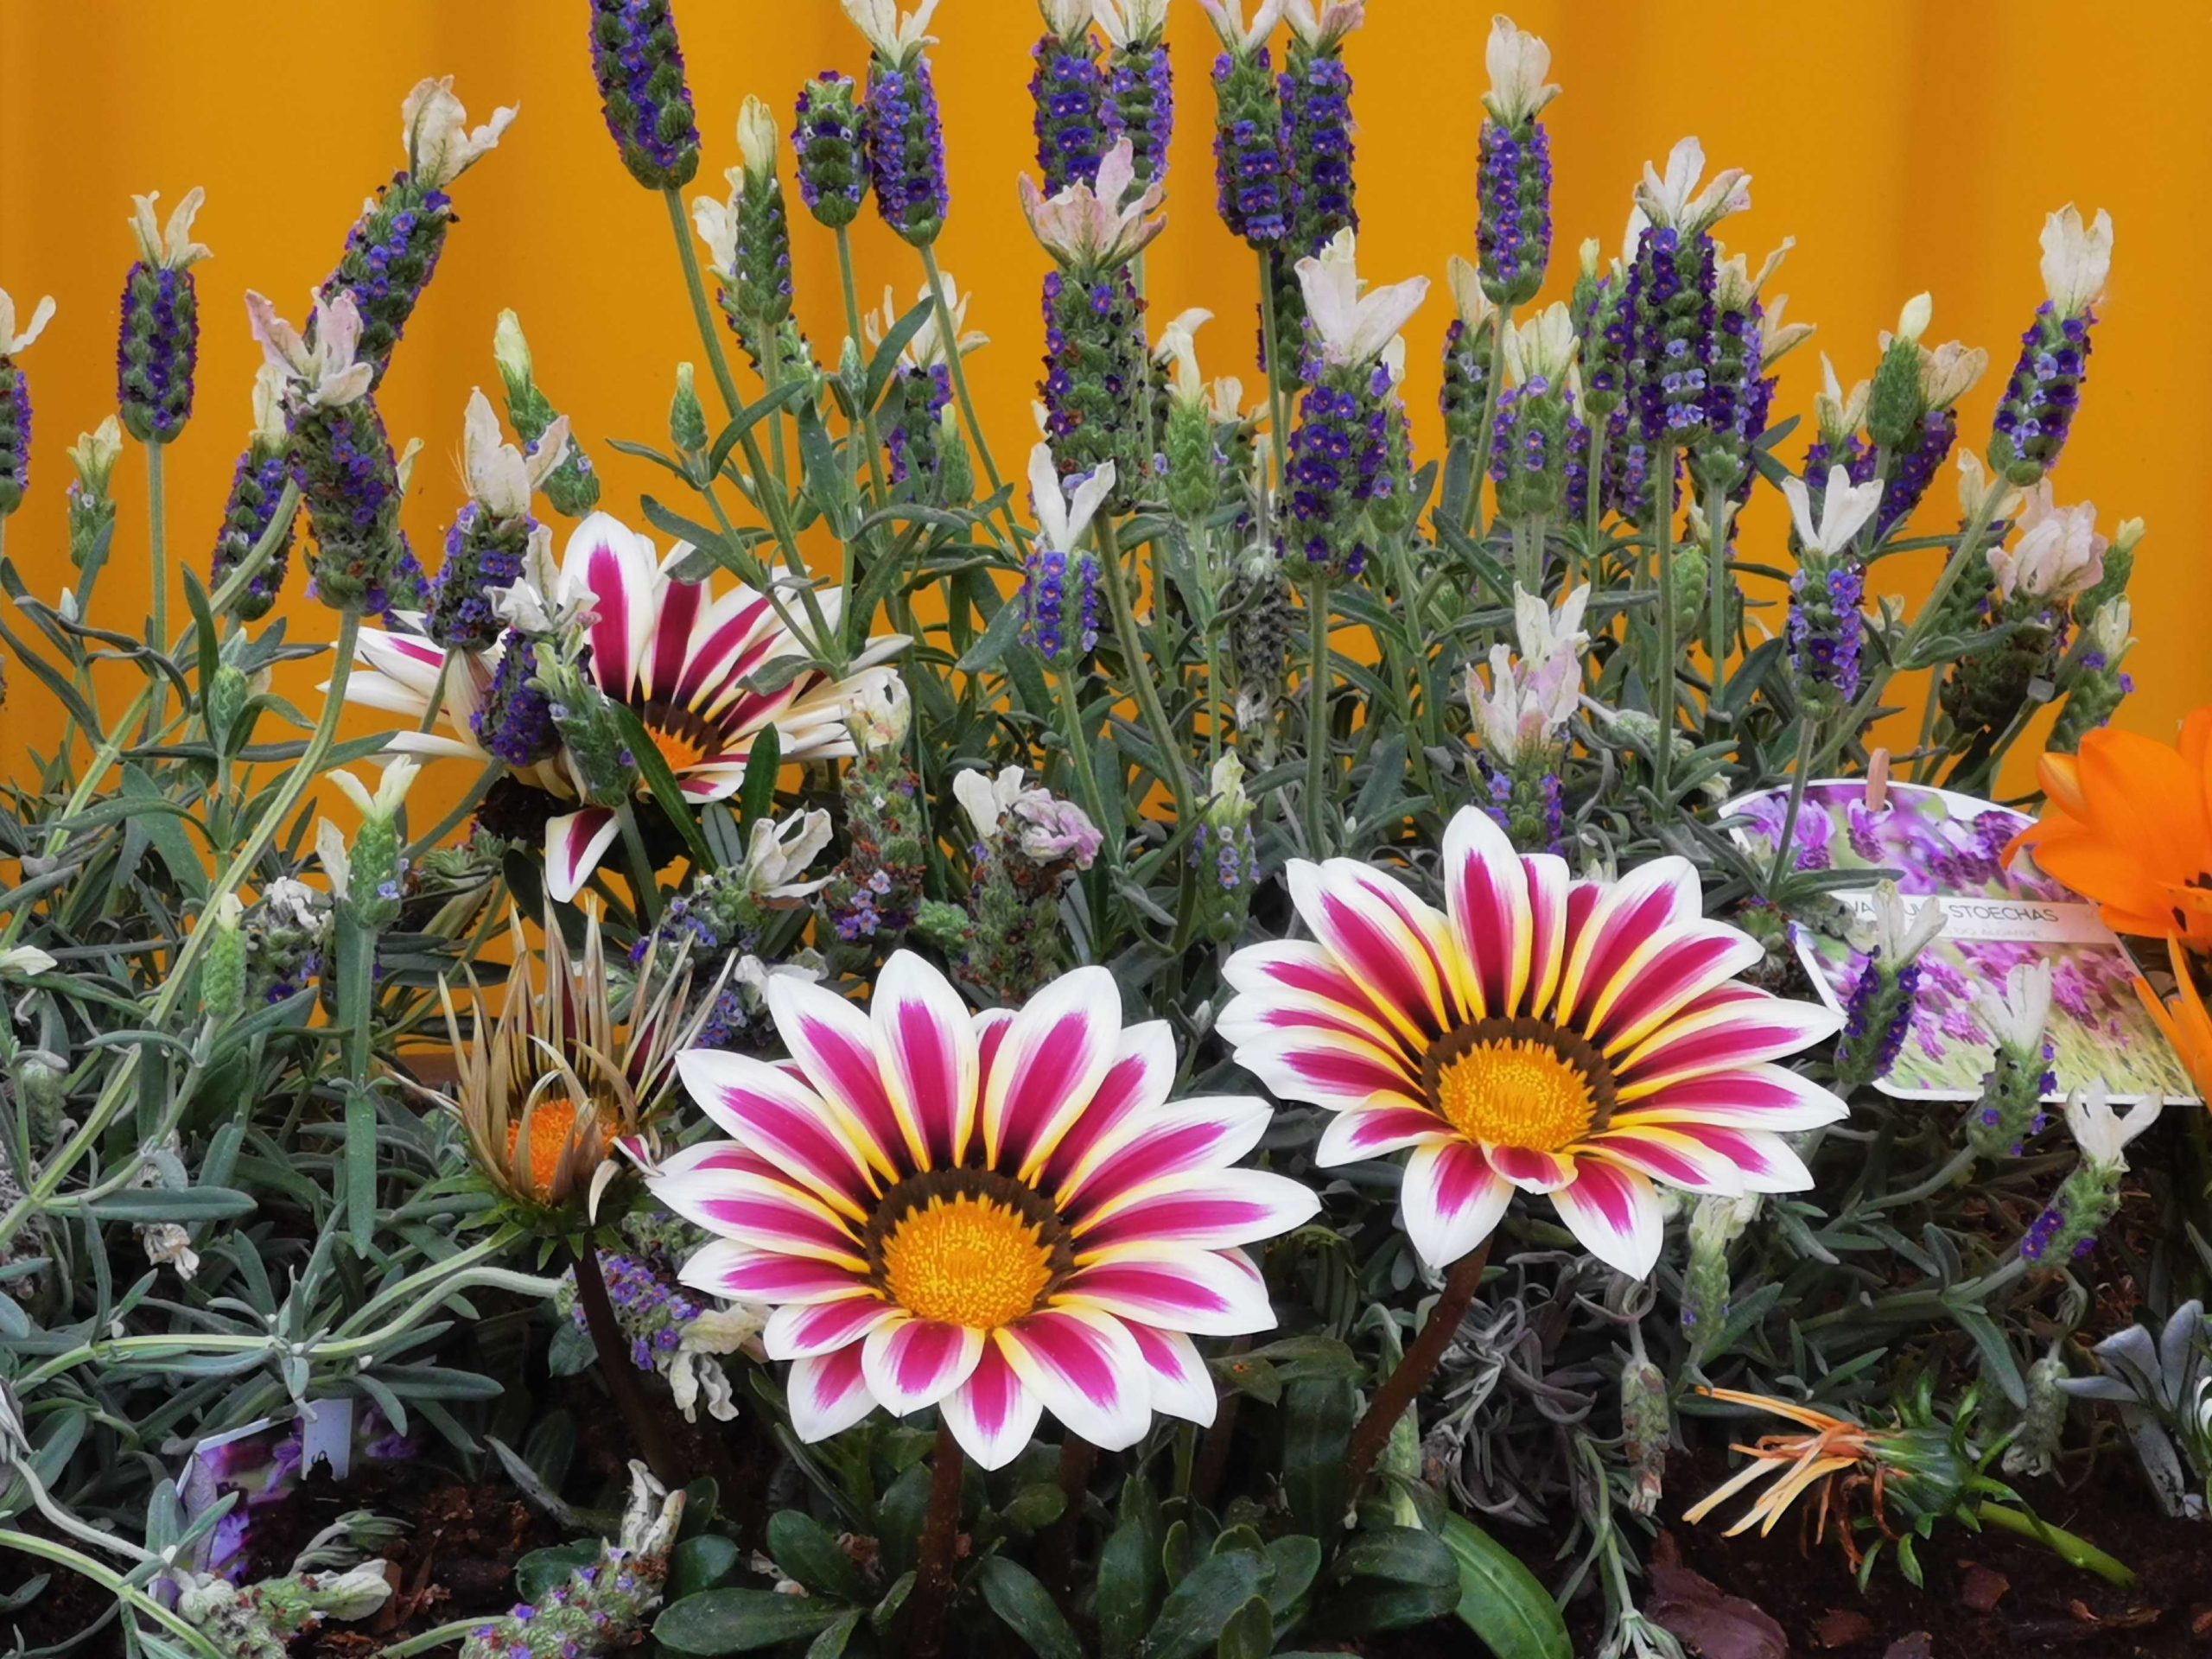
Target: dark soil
1987 1595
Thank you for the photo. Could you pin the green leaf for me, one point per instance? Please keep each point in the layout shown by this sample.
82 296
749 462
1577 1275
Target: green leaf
1392 1578
193 1204
1125 1587
1296 1559
653 766
756 797
751 416
1251 1632
1318 1419
543 1571
1998 1361
1501 1600
1198 1609
887 353
700 1563
835 1638
741 1621
1026 1608
806 1551
997 640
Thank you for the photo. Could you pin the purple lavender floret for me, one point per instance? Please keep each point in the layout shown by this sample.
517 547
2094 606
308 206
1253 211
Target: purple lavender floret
14 436
1338 456
257 482
827 141
1141 107
1070 122
515 722
1047 622
905 136
1514 191
391 252
639 68
1913 471
1670 304
482 558
1315 92
1825 629
156 350
1250 185
2037 411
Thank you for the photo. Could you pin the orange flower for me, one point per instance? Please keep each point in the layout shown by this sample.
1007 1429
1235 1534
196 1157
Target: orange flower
2183 1018
2128 825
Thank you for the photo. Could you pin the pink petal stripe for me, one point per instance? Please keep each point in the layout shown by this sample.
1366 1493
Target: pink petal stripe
736 1273
1762 1157
1669 1155
680 603
1394 969
1760 1097
1450 1201
834 1042
914 1363
1181 1386
765 1211
925 1047
618 593
1530 1170
800 1330
1548 885
1730 1028
1615 1213
1672 971
723 640
991 1415
1299 974
1643 903
1088 1371
1361 1133
990 1027
1053 1056
778 1116
1428 927
1486 894
574 843
829 1394
1140 1077
1213 1208
1201 1132
1199 1290
1297 1064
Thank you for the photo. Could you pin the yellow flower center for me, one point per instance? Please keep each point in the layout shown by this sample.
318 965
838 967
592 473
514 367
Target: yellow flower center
1519 1083
967 1248
552 1123
684 738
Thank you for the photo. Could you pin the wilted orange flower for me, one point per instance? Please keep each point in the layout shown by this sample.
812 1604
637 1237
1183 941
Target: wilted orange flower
2183 1018
2128 825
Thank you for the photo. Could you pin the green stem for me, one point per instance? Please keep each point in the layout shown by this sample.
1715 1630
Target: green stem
1139 667
1593 506
114 1583
1717 643
1807 729
2074 1550
157 548
1662 531
1485 434
1086 775
642 876
1317 719
112 1097
1277 407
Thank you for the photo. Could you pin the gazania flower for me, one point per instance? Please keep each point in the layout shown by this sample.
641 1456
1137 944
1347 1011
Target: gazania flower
676 653
1584 1039
549 1085
2128 826
2183 1018
996 1214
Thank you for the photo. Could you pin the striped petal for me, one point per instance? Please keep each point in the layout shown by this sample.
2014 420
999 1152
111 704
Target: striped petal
575 843
1203 1132
612 567
833 1042
926 1047
827 1394
1305 1055
1729 1028
1371 1132
1649 899
1206 1293
1615 1212
1299 975
1216 1209
736 1273
1763 1096
1054 1055
720 1187
914 1363
1762 1158
1666 973
991 1415
1674 1156
1181 1386
1530 1170
1486 896
1450 1201
1143 1075
802 1331
1389 942
1087 1370
774 1114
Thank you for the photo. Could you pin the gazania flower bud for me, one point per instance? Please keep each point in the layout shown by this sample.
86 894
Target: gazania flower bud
1251 179
160 341
902 127
16 401
1069 95
832 168
2037 411
1513 188
639 68
572 486
1139 82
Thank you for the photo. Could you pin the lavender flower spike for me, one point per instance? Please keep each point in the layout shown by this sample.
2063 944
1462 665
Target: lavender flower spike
1826 625
639 68
487 548
1059 593
826 138
2037 411
1139 81
256 484
159 344
1070 94
1251 170
1513 188
903 129
748 236
16 400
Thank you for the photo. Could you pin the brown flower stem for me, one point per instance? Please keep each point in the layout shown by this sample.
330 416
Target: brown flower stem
1213 1448
1417 1365
1056 1554
933 1566
614 1367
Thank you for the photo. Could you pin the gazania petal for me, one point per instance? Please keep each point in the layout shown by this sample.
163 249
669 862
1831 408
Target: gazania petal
1142 1075
1649 901
1761 1159
1205 1292
1530 1170
773 1114
1181 1386
575 843
1088 1371
1202 1132
1675 1156
827 1395
756 1207
1373 1131
1486 894
1762 1096
1394 965
926 1045
1299 1056
834 1042
1055 1053
611 566
914 1363
1667 973
991 1415
1216 1208
1451 1201
1733 1027
1300 978
726 1269
803 1329
1615 1212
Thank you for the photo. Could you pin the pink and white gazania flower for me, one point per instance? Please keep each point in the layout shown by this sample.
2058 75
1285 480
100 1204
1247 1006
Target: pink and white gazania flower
1092 228
676 653
1584 1039
1676 203
1353 327
997 1214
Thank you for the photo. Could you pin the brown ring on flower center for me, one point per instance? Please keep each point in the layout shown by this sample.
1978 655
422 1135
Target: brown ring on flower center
1519 1083
967 1247
684 735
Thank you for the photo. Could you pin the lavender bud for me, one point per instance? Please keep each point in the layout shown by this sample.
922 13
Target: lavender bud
832 170
483 556
639 68
16 401
159 343
2035 1449
1646 1428
1069 93
514 721
92 509
903 135
1140 83
572 486
2037 411
1252 185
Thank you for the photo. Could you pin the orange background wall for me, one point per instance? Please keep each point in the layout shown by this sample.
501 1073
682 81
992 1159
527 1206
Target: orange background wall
1905 146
